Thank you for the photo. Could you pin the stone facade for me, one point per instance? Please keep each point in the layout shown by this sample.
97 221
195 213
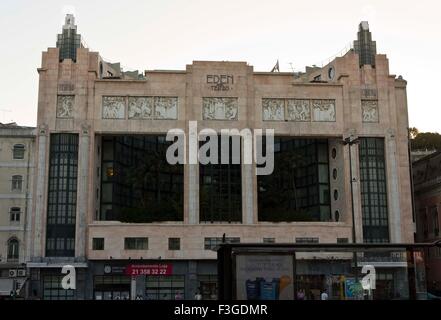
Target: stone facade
219 95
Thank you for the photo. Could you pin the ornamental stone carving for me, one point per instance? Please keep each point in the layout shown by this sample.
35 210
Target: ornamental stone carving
166 108
65 106
323 110
219 108
298 110
273 109
140 107
369 110
114 107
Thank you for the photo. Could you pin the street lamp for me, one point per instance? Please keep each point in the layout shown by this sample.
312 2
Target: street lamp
351 141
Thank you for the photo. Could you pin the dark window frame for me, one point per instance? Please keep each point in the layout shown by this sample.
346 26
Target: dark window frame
220 188
98 244
62 195
174 244
15 214
18 151
136 243
373 190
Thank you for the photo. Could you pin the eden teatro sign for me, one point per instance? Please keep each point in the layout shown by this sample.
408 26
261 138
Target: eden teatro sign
220 82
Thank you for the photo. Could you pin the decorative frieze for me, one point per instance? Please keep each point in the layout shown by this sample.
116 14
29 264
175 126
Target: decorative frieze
166 107
369 110
65 106
219 108
141 107
114 107
299 110
273 109
323 110
161 108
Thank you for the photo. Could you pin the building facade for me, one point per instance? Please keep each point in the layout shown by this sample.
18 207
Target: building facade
107 200
17 145
427 186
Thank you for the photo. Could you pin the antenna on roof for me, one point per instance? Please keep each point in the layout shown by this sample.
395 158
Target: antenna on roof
276 67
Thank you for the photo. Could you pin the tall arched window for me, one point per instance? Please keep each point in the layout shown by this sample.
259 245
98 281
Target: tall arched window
18 152
17 183
13 249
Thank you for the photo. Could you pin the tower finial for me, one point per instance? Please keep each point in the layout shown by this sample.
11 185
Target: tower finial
364 45
69 22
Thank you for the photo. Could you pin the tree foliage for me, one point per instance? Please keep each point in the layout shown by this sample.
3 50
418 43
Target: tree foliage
424 140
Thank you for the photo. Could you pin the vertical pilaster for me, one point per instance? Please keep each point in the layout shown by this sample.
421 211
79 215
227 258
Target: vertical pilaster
82 199
40 191
393 186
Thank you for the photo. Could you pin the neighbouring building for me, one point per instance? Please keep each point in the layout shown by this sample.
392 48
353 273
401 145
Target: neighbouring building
427 186
108 202
17 150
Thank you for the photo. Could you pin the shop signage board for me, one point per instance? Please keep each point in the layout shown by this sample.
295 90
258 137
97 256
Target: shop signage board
157 269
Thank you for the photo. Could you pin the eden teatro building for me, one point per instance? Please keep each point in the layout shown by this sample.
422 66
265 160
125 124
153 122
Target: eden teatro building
107 201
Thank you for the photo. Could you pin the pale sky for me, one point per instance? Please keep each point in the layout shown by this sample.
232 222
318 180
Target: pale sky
168 34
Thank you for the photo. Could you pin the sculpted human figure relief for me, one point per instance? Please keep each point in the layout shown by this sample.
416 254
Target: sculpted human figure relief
113 107
65 106
298 110
140 107
166 107
219 108
273 109
323 110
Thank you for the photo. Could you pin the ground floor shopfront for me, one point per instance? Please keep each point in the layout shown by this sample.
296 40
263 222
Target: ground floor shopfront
179 280
129 279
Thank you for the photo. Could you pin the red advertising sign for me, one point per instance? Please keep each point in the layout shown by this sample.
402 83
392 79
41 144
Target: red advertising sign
160 269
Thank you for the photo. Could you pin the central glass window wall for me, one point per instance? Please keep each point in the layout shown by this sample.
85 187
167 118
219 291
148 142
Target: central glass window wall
138 185
298 188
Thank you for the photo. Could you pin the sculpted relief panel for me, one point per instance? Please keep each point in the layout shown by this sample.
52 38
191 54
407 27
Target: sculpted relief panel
273 109
65 106
299 110
114 107
323 110
161 108
219 108
140 107
369 110
166 107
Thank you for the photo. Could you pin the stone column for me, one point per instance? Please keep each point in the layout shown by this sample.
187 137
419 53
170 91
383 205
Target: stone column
393 187
40 191
82 198
356 193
